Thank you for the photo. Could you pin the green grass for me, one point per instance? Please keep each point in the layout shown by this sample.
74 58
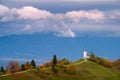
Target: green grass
78 61
83 71
7 78
95 70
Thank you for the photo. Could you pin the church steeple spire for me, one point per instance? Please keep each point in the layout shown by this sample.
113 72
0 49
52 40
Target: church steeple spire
85 55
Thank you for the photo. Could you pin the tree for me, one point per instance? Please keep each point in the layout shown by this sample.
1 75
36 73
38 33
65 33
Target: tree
54 69
92 57
13 67
54 61
64 61
46 65
27 65
99 60
2 69
71 69
117 63
107 63
23 67
33 64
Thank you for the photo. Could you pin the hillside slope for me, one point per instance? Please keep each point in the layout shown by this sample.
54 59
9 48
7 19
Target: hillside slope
90 70
85 70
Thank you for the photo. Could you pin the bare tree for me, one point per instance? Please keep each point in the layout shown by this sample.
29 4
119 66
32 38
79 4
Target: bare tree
13 66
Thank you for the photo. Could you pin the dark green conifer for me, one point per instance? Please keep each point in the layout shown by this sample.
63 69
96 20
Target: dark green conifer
2 69
33 64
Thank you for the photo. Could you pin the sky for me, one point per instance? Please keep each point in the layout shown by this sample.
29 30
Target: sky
35 29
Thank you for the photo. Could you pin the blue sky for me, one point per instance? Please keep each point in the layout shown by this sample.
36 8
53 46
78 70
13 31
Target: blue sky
34 29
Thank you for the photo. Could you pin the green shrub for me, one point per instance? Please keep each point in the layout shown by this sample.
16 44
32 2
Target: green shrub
71 69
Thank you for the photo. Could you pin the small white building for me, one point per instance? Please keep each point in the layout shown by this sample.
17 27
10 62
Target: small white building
85 55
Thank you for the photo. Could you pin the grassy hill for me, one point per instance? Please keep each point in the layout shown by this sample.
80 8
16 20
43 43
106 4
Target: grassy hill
84 70
93 71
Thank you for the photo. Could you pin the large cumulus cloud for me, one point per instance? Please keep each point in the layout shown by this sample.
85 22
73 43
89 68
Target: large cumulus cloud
30 20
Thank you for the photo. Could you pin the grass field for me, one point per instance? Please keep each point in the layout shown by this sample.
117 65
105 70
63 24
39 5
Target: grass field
83 71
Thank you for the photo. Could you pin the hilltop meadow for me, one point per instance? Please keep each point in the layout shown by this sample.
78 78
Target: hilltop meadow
94 68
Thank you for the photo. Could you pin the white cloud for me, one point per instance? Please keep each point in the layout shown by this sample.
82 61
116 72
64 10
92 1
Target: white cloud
30 12
3 10
92 0
64 1
91 15
28 27
25 13
30 20
66 32
115 14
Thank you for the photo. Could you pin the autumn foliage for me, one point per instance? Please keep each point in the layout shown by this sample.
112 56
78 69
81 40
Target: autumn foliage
100 61
13 67
117 63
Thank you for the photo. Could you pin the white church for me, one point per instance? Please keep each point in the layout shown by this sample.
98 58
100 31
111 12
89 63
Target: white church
85 55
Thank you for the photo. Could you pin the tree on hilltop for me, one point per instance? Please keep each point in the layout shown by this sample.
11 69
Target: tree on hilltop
54 62
2 69
27 65
13 66
92 57
117 63
33 64
23 67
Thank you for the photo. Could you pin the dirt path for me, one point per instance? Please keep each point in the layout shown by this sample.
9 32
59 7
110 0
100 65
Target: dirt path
16 73
85 60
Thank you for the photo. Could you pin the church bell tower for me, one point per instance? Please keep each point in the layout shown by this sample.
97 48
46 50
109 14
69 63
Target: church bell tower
85 55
